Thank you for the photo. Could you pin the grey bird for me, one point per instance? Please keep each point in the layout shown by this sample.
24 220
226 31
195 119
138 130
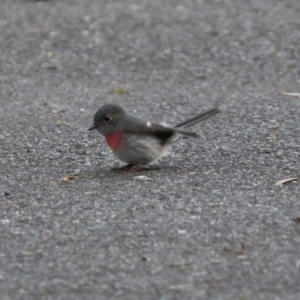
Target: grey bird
138 142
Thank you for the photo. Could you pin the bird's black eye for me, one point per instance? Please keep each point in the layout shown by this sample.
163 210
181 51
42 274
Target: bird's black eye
107 118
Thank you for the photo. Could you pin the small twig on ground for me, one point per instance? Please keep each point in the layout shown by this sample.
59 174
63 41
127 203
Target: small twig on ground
290 94
281 182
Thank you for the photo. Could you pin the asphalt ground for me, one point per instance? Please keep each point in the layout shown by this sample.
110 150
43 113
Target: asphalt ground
207 222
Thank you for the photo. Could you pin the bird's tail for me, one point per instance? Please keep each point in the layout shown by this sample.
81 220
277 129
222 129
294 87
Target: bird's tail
202 117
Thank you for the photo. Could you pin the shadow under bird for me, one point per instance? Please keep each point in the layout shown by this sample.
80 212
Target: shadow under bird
138 142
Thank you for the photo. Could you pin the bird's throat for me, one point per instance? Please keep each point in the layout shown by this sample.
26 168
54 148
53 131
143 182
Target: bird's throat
114 140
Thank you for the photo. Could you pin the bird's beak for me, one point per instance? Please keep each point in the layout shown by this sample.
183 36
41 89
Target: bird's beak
92 127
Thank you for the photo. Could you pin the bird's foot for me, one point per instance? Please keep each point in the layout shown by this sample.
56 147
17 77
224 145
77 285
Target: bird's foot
128 168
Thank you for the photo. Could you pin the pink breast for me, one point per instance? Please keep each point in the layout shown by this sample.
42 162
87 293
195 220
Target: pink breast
114 140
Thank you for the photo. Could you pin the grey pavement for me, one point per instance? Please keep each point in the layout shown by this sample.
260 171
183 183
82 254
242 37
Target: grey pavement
207 222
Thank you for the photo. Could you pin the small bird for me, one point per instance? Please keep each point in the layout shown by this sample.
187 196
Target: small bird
138 142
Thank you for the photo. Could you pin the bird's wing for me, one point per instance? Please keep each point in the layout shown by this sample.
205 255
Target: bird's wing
161 132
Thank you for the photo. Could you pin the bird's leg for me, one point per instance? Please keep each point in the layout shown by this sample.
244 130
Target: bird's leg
135 168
